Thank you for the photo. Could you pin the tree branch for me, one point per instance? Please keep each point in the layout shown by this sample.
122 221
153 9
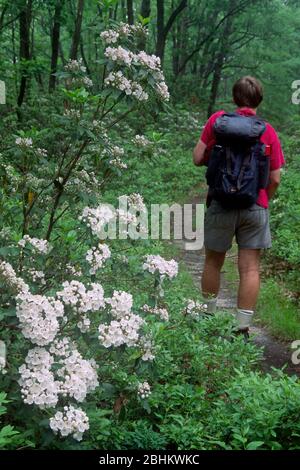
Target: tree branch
173 16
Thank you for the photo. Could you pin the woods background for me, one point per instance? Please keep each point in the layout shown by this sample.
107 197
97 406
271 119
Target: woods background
204 45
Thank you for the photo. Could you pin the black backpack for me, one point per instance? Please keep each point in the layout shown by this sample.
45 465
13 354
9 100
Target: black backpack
238 167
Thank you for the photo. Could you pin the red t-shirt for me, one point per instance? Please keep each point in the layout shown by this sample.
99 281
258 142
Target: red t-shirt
269 137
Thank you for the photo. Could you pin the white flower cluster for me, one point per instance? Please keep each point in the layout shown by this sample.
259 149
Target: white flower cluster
147 347
72 421
141 141
87 82
34 183
74 376
126 217
130 87
115 151
119 81
81 300
39 246
118 163
123 259
83 181
152 62
144 390
79 376
124 331
162 91
24 142
37 276
82 81
9 277
125 57
162 313
5 233
37 382
38 316
110 36
75 66
119 54
136 201
42 152
97 218
96 257
195 309
84 324
73 270
155 263
2 357
72 113
62 347
2 364
120 303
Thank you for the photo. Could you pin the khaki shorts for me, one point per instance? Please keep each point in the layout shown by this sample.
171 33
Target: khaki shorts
250 227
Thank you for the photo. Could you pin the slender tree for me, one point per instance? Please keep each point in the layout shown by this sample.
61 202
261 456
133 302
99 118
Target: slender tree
145 13
77 30
130 14
164 29
25 19
55 36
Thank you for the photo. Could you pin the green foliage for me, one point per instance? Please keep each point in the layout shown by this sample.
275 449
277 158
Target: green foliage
257 412
285 208
278 310
7 432
206 392
10 438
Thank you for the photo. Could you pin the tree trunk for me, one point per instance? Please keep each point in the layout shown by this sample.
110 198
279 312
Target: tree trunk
160 40
14 55
221 56
130 14
77 31
123 11
162 29
145 13
2 15
116 12
24 26
146 8
55 35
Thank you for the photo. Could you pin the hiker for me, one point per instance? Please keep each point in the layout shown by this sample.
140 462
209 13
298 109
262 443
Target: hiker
244 156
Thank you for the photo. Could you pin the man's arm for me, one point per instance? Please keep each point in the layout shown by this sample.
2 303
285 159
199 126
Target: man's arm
273 183
199 153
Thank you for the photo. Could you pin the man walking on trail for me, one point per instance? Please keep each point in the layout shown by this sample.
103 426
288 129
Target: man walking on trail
244 157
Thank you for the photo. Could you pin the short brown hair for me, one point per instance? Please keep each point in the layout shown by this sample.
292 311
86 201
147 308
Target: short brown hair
247 91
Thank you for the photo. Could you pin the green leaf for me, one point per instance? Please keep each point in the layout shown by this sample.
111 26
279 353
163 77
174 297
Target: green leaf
254 445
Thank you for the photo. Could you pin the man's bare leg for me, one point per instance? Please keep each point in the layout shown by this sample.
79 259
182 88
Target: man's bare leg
248 265
210 281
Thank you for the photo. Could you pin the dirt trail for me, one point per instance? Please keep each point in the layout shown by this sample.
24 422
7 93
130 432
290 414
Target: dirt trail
276 353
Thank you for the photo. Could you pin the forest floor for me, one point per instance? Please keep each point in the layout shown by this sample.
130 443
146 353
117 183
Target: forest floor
277 353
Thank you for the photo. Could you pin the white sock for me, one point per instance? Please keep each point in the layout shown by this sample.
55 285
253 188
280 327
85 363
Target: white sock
211 305
244 318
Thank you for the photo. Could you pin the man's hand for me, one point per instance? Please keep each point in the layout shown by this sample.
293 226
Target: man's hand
273 183
199 153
